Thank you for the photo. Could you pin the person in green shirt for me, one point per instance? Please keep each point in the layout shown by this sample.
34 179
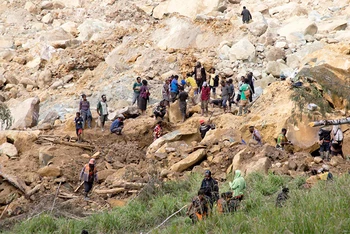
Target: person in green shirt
238 185
243 103
136 87
282 140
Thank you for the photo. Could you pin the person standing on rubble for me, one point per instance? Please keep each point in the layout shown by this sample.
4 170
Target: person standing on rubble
89 176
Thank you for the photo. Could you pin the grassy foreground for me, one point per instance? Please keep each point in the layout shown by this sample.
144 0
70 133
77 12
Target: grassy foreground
322 209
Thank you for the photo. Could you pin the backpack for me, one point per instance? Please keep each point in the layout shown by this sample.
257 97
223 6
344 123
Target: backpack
247 93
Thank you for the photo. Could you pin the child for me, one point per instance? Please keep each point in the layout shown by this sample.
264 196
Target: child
157 131
79 126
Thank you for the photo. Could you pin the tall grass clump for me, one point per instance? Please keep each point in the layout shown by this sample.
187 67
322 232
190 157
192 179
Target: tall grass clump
322 209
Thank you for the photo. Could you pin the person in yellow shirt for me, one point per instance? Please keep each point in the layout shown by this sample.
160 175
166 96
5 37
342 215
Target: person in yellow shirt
190 81
213 81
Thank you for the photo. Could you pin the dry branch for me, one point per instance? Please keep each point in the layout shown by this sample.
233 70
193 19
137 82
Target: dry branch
109 191
128 185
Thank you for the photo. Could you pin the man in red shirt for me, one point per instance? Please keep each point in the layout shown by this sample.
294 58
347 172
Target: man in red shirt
205 96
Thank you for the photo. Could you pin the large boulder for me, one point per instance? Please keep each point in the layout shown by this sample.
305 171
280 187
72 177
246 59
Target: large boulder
242 50
275 53
189 161
9 150
45 78
49 171
184 133
259 25
276 68
332 25
187 8
297 28
261 165
26 114
174 113
90 28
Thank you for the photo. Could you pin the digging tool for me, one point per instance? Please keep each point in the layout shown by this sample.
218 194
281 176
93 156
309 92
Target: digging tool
76 190
54 200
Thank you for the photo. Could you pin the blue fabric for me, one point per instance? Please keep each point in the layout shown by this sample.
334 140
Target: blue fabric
115 124
174 86
78 122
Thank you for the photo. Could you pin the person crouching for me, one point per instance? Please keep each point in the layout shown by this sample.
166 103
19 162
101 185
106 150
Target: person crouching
117 125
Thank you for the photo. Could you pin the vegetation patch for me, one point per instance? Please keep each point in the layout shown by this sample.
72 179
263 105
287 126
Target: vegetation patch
321 209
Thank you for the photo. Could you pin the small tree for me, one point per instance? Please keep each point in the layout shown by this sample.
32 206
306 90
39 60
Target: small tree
5 117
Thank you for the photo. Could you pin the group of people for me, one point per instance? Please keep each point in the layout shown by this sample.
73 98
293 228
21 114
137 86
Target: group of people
331 142
83 117
208 194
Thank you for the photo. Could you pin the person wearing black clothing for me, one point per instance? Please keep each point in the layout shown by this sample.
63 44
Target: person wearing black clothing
160 110
251 84
246 16
204 128
325 142
210 187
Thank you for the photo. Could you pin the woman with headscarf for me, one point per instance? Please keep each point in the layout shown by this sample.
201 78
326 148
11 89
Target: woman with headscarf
337 141
238 185
144 96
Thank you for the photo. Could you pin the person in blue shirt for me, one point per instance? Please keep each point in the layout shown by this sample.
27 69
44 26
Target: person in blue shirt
174 88
79 126
117 125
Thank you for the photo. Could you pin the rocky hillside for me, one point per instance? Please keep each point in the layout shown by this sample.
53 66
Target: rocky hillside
53 51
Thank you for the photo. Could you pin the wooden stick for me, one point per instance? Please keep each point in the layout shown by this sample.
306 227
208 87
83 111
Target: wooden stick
167 219
110 191
54 200
128 185
76 190
3 212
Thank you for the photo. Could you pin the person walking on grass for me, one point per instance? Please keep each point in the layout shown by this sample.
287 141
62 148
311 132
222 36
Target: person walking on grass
246 16
199 208
205 96
136 87
210 187
144 96
84 108
117 125
102 111
183 96
79 126
89 175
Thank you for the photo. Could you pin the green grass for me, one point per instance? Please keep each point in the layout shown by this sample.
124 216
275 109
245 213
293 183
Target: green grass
322 209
